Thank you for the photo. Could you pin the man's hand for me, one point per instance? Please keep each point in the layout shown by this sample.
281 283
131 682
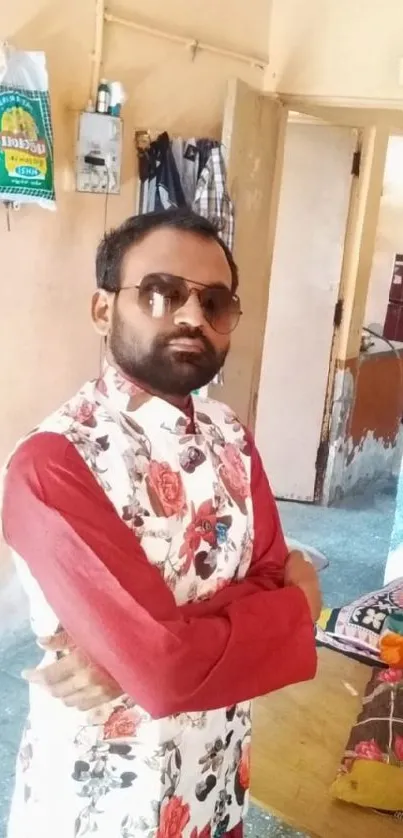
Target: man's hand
300 572
73 678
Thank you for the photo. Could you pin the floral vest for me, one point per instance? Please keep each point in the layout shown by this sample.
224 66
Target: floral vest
117 772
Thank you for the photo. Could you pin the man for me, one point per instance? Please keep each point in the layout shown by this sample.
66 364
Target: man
152 552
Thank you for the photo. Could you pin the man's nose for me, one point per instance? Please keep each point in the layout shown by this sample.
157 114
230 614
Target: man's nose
190 314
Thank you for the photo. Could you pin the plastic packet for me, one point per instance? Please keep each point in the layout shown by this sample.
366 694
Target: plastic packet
26 137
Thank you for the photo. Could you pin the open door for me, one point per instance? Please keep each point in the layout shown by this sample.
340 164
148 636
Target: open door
253 137
304 308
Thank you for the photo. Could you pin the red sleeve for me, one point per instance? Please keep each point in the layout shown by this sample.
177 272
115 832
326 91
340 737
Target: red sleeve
118 609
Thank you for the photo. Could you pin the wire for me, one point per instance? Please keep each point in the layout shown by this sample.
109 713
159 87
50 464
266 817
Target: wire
7 205
102 348
382 337
108 185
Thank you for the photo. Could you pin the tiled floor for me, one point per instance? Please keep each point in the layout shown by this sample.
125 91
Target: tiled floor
355 538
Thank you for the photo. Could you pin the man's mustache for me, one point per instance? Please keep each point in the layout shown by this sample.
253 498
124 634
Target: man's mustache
190 334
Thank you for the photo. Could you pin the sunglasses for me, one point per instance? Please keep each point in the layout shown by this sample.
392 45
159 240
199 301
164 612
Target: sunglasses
162 295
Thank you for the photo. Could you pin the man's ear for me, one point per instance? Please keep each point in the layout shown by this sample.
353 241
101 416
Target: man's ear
101 311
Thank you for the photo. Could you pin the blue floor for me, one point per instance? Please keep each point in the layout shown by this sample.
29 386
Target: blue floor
355 538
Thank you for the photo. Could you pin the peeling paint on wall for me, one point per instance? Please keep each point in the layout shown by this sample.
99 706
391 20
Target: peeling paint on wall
365 443
372 459
356 467
343 401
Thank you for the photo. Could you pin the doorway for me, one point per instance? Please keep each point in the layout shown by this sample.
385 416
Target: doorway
303 310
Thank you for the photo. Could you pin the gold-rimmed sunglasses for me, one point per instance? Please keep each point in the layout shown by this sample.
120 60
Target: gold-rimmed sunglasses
161 295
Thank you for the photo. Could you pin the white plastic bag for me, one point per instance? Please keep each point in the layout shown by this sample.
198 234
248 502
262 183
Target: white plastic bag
26 137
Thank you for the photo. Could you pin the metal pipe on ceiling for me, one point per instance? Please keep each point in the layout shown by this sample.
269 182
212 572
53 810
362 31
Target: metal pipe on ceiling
192 44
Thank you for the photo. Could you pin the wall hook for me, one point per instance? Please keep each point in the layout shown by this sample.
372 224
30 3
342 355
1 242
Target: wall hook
194 49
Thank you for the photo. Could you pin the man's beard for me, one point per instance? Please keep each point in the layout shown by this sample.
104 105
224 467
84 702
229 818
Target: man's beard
162 370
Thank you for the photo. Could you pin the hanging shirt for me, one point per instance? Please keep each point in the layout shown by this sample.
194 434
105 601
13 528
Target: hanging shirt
151 536
186 156
212 199
161 182
189 172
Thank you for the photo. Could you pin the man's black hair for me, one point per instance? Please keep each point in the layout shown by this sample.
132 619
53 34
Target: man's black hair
116 243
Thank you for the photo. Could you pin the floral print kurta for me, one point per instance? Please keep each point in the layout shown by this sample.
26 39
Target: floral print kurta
167 762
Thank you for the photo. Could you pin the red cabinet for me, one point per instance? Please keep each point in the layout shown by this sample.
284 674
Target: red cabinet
393 328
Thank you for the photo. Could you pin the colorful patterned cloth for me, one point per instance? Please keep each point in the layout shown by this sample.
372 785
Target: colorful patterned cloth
356 629
372 770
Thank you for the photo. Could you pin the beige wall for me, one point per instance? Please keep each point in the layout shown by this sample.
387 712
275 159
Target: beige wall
47 259
336 48
46 343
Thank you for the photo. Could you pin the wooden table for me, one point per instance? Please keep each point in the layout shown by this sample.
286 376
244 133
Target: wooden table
299 736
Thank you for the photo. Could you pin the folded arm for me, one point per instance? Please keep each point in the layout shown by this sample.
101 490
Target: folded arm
118 609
